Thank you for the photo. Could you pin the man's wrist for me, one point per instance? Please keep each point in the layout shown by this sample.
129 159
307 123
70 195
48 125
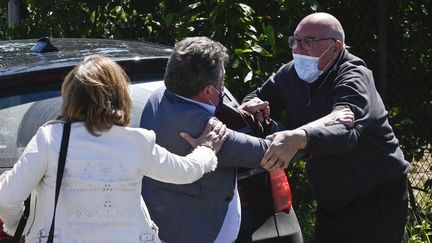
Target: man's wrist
303 138
208 145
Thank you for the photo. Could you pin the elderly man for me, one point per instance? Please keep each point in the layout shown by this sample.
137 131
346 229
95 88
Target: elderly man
358 175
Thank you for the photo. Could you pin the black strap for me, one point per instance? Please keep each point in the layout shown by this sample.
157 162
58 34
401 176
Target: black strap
22 222
60 170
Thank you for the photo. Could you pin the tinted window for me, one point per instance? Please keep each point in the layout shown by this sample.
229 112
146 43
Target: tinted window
21 116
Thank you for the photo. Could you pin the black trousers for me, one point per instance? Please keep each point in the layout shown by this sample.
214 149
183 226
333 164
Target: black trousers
379 216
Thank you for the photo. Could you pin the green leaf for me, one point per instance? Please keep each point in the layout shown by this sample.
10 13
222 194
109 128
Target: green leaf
169 19
269 34
194 5
247 10
248 77
242 51
260 50
252 28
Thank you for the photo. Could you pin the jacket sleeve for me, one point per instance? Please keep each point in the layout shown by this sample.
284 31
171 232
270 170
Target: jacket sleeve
356 90
271 91
20 181
167 167
242 150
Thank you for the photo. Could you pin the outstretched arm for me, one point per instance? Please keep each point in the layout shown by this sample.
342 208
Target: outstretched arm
285 144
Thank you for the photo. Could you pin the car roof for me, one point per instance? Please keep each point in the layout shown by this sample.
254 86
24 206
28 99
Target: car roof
22 70
16 55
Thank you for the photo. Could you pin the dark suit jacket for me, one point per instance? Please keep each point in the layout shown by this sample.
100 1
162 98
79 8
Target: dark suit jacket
193 212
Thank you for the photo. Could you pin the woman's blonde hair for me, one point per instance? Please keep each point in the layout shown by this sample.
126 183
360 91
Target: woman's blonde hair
96 92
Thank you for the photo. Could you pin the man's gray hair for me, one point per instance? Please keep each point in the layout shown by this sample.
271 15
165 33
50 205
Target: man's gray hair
195 63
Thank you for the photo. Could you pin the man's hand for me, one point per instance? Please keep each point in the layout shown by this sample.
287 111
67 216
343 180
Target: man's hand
214 135
260 109
284 146
344 116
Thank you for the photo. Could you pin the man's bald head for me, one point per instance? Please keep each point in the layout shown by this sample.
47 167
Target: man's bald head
326 23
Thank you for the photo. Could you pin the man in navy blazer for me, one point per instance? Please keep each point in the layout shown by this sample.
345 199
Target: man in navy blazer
207 210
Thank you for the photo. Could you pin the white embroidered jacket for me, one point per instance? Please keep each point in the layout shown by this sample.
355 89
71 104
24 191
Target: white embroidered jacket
100 198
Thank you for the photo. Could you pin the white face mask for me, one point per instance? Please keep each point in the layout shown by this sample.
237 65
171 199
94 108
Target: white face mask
307 66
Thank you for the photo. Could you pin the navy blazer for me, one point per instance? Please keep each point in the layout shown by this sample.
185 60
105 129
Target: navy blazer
193 212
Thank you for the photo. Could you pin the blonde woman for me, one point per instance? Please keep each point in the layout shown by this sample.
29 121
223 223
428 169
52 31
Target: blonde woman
100 198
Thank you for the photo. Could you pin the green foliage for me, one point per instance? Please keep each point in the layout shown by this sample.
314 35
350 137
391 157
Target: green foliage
303 202
410 24
256 33
419 231
248 30
3 20
404 83
419 224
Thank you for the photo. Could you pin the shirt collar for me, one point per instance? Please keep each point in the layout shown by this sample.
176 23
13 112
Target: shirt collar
332 69
209 108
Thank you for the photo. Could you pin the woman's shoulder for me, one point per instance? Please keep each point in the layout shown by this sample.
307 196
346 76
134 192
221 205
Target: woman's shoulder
52 122
52 125
138 133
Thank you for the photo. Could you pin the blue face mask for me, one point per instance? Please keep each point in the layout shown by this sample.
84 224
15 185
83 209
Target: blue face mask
307 66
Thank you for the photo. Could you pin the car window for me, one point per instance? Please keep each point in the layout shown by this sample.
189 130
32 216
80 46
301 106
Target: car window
21 115
10 119
14 100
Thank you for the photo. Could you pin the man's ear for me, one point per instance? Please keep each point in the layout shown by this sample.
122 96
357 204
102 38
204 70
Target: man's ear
337 46
204 94
206 91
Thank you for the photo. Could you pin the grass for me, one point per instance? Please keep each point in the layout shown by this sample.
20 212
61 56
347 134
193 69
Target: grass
419 228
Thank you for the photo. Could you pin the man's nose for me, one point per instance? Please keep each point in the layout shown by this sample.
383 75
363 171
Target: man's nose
298 48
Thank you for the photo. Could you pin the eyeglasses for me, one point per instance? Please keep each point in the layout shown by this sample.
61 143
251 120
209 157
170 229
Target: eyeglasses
306 43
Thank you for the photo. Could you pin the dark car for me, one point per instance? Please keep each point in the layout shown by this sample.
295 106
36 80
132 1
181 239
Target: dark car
31 73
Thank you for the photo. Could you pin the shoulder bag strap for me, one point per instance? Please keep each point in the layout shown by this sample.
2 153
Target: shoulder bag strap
60 170
22 222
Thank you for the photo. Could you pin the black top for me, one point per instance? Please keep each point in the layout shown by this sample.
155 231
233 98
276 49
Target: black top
344 163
